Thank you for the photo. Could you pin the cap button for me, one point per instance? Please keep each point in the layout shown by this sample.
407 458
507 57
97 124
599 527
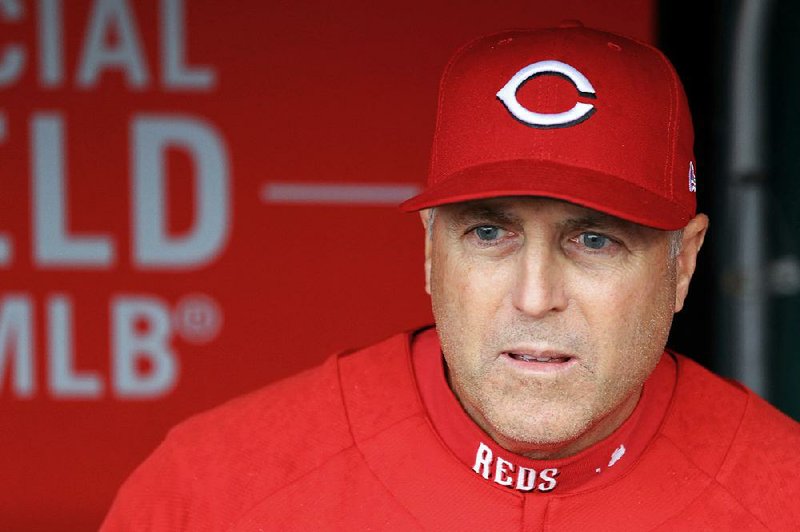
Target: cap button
571 23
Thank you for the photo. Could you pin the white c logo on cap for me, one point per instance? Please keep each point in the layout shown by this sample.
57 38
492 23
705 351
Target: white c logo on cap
576 115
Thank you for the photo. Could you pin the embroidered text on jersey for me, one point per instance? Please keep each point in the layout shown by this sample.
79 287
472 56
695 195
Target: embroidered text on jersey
512 475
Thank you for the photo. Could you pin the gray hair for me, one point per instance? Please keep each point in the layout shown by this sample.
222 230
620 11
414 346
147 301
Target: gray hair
431 216
675 243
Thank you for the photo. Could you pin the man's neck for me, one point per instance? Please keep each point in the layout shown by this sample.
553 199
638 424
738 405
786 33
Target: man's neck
552 451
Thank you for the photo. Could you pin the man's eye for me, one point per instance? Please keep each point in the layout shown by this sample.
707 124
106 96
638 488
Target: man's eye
488 233
594 240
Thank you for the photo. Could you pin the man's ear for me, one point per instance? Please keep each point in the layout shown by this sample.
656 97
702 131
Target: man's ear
693 236
425 217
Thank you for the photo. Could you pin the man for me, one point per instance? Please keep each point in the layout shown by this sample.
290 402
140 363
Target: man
561 239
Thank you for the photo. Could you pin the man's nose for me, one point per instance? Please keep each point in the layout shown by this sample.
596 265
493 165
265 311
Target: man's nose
539 286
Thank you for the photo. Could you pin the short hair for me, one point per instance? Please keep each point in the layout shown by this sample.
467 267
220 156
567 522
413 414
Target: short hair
675 243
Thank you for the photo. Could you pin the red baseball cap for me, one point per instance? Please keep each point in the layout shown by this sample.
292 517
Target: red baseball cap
573 113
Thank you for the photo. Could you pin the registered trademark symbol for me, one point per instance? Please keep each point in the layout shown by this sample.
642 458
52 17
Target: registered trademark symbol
197 318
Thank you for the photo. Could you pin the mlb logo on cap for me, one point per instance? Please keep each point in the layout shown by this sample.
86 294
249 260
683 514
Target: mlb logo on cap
570 113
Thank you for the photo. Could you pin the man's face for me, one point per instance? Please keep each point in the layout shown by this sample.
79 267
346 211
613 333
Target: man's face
550 315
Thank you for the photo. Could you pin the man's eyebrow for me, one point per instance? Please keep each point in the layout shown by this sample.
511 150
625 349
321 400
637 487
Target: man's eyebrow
597 220
470 214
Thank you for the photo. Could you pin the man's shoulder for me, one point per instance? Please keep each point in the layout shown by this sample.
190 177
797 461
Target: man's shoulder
280 414
284 417
219 462
285 413
747 446
711 402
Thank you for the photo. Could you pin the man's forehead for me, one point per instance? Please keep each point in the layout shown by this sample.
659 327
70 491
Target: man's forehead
515 209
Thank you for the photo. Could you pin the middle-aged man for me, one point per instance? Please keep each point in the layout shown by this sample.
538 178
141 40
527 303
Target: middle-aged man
561 239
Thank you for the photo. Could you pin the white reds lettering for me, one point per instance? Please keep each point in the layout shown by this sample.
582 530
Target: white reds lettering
579 112
508 474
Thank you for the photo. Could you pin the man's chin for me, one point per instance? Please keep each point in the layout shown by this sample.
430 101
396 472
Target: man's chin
540 433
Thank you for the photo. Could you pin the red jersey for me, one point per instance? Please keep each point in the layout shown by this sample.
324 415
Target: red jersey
375 440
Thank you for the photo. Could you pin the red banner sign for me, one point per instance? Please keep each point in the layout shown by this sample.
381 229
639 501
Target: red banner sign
197 199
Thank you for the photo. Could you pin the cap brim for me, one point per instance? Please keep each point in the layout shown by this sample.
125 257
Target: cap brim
588 188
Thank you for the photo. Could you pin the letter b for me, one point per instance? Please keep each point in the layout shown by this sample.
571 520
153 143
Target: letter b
150 344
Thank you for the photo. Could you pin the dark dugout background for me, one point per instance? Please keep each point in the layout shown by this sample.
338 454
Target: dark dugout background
744 309
198 199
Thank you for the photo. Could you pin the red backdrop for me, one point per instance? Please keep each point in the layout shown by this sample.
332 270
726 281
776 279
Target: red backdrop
199 198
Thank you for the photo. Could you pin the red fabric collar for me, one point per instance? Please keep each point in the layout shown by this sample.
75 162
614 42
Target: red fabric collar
603 462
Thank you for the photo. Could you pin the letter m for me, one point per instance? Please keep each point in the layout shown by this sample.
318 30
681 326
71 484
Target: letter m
16 340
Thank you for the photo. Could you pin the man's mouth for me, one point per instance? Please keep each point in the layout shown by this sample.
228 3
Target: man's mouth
540 361
547 359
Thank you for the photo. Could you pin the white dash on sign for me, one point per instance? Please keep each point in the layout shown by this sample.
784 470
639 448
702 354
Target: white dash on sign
338 193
